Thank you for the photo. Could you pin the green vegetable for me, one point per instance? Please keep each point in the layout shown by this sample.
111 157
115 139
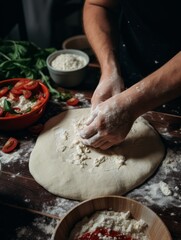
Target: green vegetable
65 96
27 110
7 106
25 59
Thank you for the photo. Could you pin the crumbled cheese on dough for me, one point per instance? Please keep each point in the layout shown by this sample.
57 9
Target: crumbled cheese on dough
120 161
99 160
81 154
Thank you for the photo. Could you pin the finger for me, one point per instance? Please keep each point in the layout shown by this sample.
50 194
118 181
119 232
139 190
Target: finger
99 143
91 118
95 104
88 132
106 145
91 141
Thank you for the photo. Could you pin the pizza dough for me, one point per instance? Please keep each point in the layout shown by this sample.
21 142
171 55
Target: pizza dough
65 167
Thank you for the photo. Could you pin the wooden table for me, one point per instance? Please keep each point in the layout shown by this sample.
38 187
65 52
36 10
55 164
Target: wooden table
28 211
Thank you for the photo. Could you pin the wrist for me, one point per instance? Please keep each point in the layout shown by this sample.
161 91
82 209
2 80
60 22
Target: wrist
110 70
129 102
109 61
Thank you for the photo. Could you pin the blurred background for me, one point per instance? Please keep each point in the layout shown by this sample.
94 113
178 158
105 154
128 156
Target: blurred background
47 23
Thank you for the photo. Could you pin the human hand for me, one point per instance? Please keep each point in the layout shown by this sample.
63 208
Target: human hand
109 85
109 123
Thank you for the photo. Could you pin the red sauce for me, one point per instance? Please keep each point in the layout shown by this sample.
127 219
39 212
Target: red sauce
104 232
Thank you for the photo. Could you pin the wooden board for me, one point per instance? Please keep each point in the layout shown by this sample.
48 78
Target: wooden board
23 201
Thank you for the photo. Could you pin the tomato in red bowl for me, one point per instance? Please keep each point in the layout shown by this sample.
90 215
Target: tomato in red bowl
22 102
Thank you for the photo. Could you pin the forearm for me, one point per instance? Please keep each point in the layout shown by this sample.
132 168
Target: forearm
159 87
98 17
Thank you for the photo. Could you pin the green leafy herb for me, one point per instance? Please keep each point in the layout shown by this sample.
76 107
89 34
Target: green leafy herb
7 106
27 110
65 96
25 59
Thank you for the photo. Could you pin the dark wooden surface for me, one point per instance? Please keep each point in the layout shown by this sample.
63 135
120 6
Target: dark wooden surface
28 211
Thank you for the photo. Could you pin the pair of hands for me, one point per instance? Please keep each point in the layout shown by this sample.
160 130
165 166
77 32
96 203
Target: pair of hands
110 119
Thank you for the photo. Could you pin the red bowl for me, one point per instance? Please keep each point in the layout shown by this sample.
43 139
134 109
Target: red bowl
22 121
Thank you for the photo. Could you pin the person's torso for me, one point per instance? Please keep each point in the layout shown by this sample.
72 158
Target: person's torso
149 36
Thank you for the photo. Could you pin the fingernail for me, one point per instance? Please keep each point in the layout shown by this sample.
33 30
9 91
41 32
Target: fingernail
85 142
82 134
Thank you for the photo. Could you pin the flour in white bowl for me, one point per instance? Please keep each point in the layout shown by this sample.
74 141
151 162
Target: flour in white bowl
67 62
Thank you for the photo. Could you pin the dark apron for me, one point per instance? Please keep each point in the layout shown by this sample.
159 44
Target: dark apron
150 35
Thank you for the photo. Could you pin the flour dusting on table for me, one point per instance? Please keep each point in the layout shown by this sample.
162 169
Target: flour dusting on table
59 206
151 192
40 225
21 154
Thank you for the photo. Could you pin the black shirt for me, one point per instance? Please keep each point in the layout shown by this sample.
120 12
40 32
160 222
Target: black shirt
150 35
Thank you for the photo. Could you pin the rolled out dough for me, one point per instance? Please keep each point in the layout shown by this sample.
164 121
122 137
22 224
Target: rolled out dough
65 167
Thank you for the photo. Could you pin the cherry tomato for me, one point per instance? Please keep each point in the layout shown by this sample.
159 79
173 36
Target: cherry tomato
10 145
17 91
72 101
8 114
20 84
31 85
3 91
27 94
38 103
40 99
1 111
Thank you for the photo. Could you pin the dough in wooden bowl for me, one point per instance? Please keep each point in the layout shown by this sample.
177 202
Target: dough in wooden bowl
64 166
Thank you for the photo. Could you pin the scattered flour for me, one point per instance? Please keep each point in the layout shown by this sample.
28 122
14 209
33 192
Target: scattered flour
59 206
151 194
13 157
15 175
172 161
21 155
165 188
40 225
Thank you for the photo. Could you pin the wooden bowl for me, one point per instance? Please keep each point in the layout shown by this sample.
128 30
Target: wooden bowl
156 228
78 42
20 122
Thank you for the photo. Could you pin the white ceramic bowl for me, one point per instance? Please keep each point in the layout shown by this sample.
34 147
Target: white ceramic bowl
156 228
67 78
